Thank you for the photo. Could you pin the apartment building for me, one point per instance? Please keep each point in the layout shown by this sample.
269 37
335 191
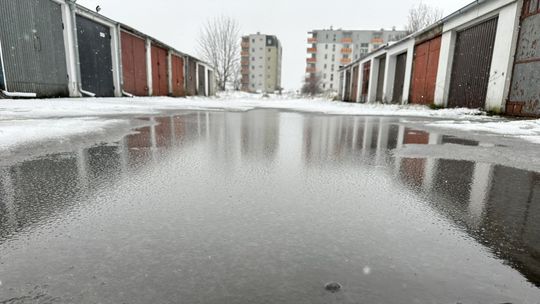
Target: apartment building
330 49
261 63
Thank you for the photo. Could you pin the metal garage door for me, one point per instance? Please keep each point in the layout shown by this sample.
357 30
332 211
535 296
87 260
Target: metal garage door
33 47
191 81
2 84
178 76
347 96
380 79
524 96
355 74
472 62
95 57
160 66
425 68
365 81
399 80
134 64
202 81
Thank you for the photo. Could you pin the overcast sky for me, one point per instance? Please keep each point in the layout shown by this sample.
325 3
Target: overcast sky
178 23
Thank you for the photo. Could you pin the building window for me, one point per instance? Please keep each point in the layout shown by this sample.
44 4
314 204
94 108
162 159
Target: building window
253 40
326 46
333 57
364 45
324 86
331 86
325 56
324 76
331 77
325 65
334 47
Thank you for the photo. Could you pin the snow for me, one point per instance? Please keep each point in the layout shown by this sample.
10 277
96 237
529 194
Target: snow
526 129
23 121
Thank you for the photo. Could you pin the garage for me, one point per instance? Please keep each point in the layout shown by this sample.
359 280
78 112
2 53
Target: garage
365 81
191 77
524 99
177 76
425 68
399 80
201 90
32 48
471 65
134 64
160 66
95 57
380 79
354 93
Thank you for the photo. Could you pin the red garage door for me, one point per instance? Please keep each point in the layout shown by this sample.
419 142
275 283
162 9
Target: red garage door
425 67
160 81
178 76
134 64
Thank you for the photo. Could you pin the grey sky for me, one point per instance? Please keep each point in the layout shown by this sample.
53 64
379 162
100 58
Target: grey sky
178 22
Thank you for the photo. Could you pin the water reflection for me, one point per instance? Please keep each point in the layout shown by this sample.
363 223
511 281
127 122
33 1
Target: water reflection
496 205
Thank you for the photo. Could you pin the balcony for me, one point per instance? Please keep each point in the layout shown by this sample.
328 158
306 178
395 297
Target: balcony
311 70
245 44
312 50
312 40
245 71
346 51
346 40
311 60
345 61
244 54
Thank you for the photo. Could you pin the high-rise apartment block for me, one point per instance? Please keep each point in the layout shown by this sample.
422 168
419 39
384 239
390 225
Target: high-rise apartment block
330 49
261 63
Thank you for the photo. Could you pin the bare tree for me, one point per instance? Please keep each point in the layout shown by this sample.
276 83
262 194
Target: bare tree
422 16
219 45
312 85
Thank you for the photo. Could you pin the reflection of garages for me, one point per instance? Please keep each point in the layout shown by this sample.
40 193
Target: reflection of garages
163 132
471 65
95 57
134 65
525 90
160 80
425 67
33 49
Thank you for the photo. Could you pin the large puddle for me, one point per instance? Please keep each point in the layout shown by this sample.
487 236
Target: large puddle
269 207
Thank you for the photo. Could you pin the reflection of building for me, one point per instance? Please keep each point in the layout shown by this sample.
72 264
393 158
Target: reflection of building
499 206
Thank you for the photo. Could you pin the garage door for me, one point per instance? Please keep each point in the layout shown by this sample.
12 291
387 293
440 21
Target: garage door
354 93
365 81
525 92
95 56
134 64
380 79
202 84
425 68
399 80
178 76
160 66
471 67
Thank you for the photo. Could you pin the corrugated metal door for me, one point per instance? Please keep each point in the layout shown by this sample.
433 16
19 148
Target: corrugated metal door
347 96
365 81
160 80
95 57
380 79
399 80
2 84
425 68
524 96
33 47
354 93
191 83
134 64
472 64
202 82
178 76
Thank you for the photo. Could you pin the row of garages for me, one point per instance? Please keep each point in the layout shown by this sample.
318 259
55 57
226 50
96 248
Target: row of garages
56 48
486 55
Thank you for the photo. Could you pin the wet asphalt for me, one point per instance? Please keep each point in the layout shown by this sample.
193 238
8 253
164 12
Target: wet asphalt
273 207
